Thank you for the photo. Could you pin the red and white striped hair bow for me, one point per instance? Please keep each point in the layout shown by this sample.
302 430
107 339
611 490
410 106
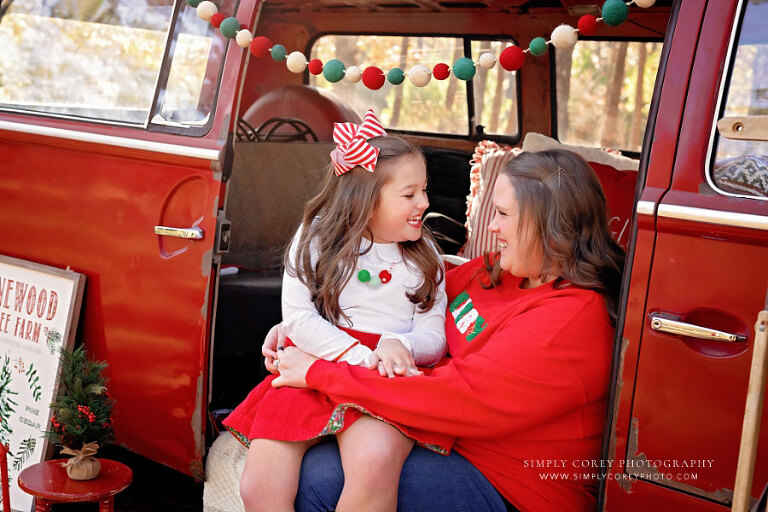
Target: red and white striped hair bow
352 148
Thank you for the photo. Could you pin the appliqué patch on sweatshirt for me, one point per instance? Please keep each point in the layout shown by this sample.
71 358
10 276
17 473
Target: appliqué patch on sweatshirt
468 320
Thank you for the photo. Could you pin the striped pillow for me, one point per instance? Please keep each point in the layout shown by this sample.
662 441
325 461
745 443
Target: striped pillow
486 162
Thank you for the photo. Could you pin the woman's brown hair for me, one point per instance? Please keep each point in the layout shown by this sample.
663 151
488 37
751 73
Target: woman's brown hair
560 194
335 222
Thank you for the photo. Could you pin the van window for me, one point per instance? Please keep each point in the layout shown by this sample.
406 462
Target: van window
741 166
102 60
439 107
604 91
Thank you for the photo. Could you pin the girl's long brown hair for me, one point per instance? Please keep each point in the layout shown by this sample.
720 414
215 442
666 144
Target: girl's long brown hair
559 193
335 222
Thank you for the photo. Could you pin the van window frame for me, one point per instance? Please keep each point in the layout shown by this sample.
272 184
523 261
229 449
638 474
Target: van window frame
725 83
472 134
553 78
172 34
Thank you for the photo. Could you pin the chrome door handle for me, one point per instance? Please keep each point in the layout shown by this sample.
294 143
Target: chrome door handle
670 325
190 233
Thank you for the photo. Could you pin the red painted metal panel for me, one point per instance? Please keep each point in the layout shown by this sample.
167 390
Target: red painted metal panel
146 308
688 399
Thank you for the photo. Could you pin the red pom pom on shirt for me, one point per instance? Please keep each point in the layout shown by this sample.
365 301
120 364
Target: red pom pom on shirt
441 71
315 66
260 46
512 58
385 276
373 78
587 25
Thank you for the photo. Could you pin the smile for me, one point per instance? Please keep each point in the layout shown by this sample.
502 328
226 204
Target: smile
502 244
415 221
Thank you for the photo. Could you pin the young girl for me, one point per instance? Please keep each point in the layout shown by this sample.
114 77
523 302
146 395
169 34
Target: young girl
360 260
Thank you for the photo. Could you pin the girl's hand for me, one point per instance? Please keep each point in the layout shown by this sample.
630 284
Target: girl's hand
392 358
274 340
293 365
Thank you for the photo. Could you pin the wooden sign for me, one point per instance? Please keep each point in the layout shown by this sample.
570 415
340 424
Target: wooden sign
39 310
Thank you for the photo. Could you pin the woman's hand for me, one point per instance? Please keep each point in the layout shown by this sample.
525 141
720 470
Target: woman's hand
293 365
392 358
274 340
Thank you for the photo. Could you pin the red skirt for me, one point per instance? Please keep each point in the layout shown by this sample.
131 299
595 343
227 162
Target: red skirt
292 414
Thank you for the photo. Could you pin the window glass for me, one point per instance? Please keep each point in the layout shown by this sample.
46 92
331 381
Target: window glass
604 91
92 59
741 166
440 107
495 92
197 54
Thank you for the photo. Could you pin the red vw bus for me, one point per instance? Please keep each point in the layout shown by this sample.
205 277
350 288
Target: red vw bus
169 164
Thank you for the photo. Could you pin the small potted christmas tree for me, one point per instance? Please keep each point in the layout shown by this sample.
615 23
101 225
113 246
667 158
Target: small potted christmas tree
81 413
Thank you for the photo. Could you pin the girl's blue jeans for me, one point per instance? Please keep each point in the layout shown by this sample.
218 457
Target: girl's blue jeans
429 482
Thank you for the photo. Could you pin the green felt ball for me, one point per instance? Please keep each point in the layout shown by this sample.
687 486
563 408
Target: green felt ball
395 76
194 3
278 52
614 12
538 46
333 71
230 27
464 68
363 276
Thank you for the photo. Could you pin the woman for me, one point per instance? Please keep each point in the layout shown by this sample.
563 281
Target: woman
530 332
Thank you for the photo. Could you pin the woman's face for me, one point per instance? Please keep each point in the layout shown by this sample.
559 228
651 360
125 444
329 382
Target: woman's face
521 253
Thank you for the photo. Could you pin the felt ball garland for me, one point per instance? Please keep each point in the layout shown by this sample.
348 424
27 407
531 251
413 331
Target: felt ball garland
315 66
333 71
512 58
230 27
373 78
277 52
614 12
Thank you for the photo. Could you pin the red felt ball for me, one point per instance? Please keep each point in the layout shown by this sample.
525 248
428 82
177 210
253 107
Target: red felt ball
373 78
315 66
512 58
385 276
216 19
441 71
587 25
260 46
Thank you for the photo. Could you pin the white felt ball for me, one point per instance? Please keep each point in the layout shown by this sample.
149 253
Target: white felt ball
419 75
206 9
487 60
296 62
564 37
354 74
243 38
645 3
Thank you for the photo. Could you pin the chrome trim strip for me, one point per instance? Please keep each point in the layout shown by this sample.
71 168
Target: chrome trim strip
738 220
646 208
109 140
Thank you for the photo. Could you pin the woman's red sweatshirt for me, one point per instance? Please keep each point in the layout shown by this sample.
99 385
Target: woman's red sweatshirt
524 390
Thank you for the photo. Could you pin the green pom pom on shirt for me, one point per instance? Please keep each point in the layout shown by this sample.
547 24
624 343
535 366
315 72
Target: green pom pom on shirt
395 76
333 71
277 52
614 12
230 27
364 276
538 46
464 68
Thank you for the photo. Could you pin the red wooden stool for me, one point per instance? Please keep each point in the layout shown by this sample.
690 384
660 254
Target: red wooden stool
48 483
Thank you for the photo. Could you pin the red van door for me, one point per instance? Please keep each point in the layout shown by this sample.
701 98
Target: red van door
677 429
112 162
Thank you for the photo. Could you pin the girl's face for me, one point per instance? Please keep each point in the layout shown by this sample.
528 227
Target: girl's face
521 253
402 201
